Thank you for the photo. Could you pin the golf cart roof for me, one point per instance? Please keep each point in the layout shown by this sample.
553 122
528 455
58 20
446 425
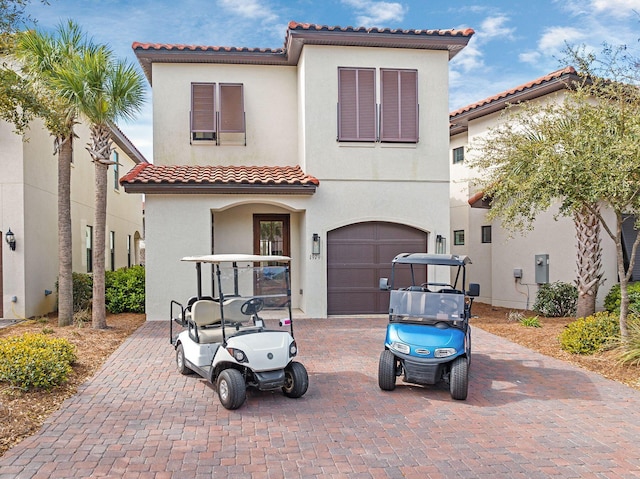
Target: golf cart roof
236 258
428 258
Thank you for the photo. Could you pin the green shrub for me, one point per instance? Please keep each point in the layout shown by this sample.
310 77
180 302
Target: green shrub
556 300
124 290
612 300
532 322
591 334
82 291
35 361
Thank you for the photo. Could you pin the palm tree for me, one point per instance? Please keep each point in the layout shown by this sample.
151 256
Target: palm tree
104 90
43 57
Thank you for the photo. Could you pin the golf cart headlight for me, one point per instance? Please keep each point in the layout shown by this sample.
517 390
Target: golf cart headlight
401 347
293 349
238 355
444 352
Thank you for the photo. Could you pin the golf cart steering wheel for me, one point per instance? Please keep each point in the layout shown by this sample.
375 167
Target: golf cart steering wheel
253 306
448 305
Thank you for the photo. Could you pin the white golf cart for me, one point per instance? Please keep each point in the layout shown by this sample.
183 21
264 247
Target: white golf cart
224 340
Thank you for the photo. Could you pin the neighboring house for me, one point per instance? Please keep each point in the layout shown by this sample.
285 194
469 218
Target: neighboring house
29 205
332 150
510 270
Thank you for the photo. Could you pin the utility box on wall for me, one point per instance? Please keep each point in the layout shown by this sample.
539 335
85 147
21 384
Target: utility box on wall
542 268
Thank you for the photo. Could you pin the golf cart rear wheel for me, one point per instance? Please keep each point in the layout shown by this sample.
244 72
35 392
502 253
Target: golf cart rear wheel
296 380
387 371
232 390
180 361
459 378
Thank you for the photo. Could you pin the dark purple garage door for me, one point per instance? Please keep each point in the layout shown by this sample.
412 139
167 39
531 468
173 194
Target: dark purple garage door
358 256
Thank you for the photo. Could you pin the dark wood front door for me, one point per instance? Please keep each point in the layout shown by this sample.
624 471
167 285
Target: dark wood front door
271 237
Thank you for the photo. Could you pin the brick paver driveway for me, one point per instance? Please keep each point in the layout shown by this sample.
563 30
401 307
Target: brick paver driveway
527 416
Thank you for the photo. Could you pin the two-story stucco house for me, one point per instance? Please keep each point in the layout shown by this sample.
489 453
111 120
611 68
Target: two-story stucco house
511 269
332 149
28 207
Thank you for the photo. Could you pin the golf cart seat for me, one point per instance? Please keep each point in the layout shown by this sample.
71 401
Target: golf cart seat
205 312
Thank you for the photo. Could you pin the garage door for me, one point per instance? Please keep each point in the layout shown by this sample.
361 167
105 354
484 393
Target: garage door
358 256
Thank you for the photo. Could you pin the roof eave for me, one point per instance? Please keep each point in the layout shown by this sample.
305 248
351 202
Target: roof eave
459 122
218 189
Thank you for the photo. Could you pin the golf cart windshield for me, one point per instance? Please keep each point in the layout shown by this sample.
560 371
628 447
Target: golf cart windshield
265 278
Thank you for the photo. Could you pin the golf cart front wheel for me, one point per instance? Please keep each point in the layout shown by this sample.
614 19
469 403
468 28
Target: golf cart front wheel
180 361
459 378
296 380
387 371
232 390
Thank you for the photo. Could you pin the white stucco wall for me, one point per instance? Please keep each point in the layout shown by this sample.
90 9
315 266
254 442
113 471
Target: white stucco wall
29 205
291 120
270 104
494 263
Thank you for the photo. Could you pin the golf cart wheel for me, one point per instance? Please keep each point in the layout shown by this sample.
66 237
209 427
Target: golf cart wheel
180 361
232 390
387 371
296 380
459 378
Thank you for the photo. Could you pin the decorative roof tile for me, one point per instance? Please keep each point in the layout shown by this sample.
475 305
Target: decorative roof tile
297 35
149 178
508 93
558 80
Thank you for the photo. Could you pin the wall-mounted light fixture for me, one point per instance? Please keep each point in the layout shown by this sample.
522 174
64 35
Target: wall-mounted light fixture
11 239
441 244
315 245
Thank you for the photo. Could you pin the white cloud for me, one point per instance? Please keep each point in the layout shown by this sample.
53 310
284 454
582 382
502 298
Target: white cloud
249 9
616 8
494 27
375 13
531 57
470 58
554 38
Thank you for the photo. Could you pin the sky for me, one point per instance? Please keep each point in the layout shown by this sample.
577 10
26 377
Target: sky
516 41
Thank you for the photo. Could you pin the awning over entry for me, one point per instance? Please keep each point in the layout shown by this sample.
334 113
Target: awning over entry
209 179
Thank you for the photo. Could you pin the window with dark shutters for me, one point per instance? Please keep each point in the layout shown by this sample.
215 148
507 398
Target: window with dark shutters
231 108
356 104
399 105
203 117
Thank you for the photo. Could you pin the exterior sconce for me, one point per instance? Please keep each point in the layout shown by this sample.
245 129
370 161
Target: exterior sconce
11 239
441 244
315 245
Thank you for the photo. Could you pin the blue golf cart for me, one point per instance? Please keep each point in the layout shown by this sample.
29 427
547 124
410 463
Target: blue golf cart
428 336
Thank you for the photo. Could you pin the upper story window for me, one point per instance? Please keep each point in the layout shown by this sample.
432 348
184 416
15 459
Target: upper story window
116 171
203 112
458 155
458 237
360 118
399 105
486 234
208 120
356 104
231 108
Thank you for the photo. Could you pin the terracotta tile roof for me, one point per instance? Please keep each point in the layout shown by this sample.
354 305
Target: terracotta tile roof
297 35
544 85
310 26
149 178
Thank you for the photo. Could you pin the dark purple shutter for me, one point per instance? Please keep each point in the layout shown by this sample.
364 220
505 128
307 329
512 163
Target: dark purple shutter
203 107
356 104
399 121
231 108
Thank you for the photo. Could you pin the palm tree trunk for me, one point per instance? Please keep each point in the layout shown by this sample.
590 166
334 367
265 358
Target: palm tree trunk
100 150
589 260
64 147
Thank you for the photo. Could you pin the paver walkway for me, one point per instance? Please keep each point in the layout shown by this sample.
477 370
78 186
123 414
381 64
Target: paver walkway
527 416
